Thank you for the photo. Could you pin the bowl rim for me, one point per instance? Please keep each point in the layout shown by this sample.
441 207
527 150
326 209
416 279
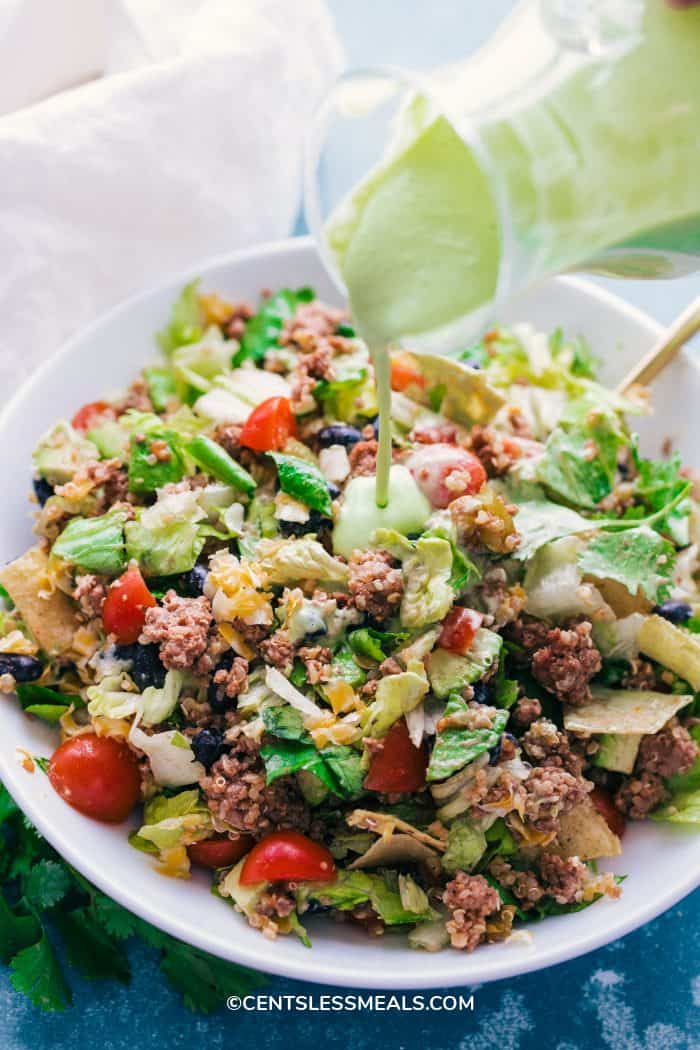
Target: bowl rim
264 957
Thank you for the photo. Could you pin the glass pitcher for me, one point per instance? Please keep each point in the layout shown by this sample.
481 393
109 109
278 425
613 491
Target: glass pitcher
571 141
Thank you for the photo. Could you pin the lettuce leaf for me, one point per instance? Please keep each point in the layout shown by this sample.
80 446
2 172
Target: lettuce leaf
287 562
173 820
357 887
339 767
396 695
94 544
466 845
427 572
185 324
457 746
166 538
262 331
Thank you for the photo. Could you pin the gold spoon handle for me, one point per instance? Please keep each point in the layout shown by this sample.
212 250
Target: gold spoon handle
671 342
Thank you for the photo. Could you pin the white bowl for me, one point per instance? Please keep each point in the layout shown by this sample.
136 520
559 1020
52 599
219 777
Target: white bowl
662 862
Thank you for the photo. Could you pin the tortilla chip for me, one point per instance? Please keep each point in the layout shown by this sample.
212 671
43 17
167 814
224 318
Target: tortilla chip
586 834
626 712
394 851
468 397
49 617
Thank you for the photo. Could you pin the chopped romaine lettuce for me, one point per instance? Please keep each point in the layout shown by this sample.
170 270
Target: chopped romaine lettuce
466 844
396 695
427 570
356 887
162 386
174 820
171 757
457 745
94 544
289 561
262 331
185 324
166 538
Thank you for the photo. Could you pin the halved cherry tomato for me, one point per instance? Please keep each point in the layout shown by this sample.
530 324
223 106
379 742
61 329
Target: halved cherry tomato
405 372
400 765
459 629
97 775
219 852
444 472
124 610
269 426
90 415
288 855
608 810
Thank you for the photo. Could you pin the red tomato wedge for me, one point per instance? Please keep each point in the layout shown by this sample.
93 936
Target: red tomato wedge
219 852
90 415
405 372
459 629
288 856
400 765
124 610
97 775
444 472
269 426
608 810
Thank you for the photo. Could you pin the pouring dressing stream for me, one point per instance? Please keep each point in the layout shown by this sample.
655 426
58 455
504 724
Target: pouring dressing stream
567 143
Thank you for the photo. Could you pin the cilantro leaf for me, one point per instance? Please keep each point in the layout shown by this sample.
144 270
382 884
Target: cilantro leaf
36 972
16 931
46 884
658 483
90 949
203 981
637 558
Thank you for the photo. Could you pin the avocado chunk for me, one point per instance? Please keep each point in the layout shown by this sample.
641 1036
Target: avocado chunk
617 753
449 672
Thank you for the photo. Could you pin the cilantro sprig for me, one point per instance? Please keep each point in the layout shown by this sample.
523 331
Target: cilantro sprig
49 912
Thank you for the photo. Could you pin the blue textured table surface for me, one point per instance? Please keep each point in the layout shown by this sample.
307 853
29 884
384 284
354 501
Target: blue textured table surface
639 993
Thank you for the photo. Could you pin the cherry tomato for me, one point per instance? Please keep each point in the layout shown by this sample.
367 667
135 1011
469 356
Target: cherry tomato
90 415
405 372
219 852
400 765
288 855
608 810
444 472
269 426
459 629
124 610
97 775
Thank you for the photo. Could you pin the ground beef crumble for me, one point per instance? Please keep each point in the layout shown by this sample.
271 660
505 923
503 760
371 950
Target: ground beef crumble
496 452
278 650
550 792
363 458
547 746
240 799
561 878
90 593
567 661
471 901
180 627
233 680
640 795
527 709
669 752
375 583
317 660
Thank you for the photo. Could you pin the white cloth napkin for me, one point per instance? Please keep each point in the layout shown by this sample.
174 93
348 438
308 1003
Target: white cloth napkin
189 146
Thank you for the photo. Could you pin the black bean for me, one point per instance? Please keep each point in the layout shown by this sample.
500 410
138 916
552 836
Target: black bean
675 612
194 580
339 434
22 668
207 745
218 701
333 490
483 692
374 423
300 528
146 668
42 490
495 752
